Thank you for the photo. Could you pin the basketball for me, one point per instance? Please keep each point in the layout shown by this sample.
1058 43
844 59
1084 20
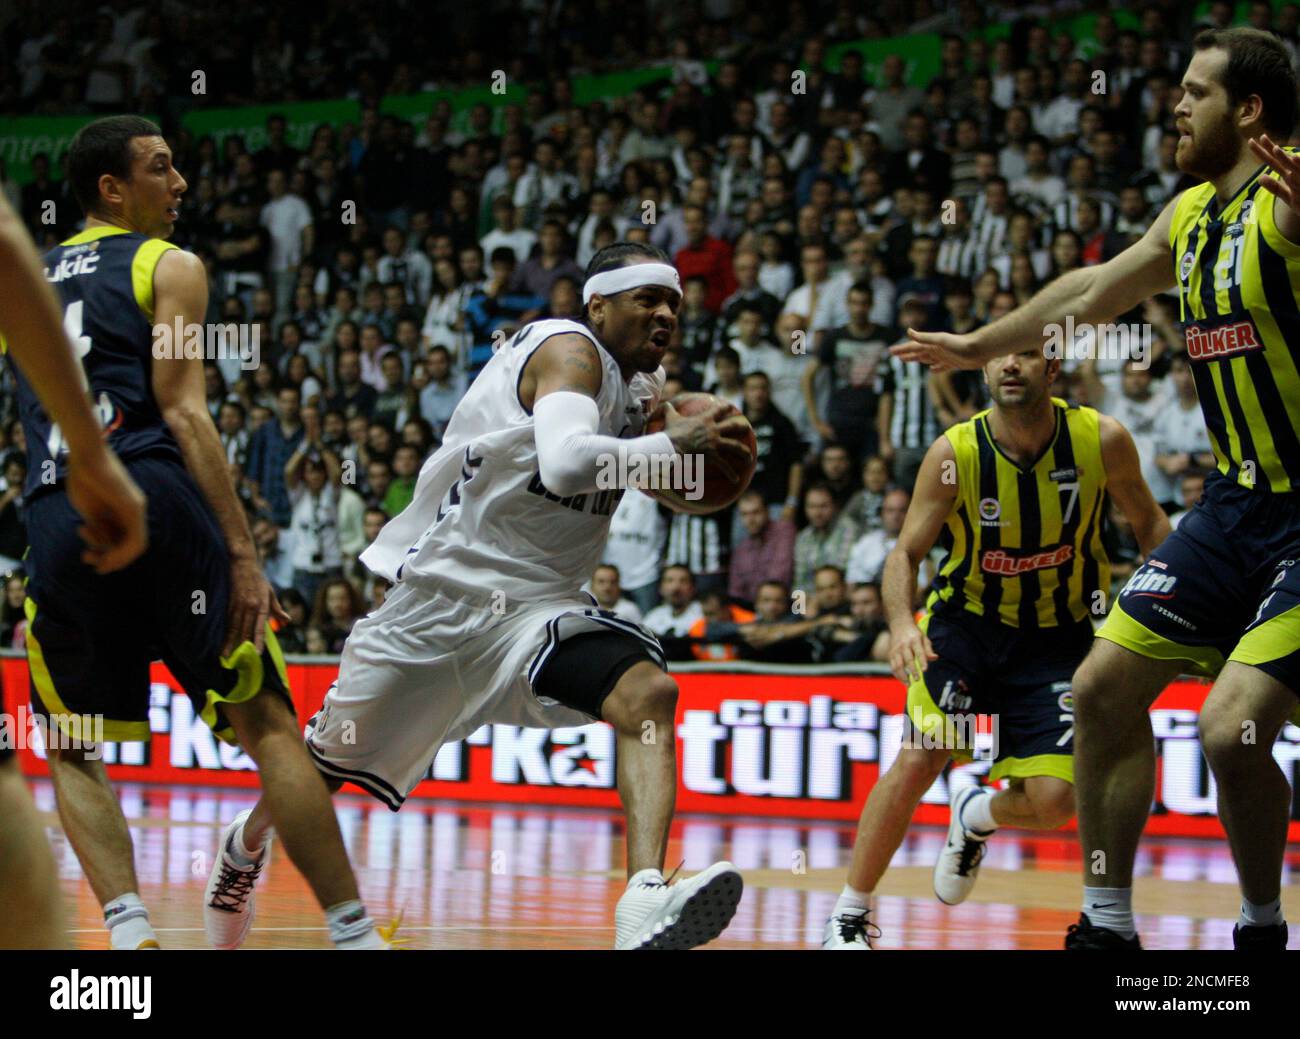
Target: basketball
722 485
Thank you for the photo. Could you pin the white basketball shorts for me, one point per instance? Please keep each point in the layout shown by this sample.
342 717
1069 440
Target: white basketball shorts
424 670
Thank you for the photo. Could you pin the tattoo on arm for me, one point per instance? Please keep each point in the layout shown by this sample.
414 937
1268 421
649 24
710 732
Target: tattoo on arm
579 359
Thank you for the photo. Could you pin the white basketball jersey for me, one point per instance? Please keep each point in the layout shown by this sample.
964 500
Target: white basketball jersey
482 526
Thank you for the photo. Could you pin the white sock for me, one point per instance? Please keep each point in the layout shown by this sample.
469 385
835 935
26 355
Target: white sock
977 815
646 876
127 921
1111 908
1267 915
240 852
351 927
852 900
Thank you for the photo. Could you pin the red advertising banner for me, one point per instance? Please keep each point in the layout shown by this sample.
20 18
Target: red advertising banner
797 746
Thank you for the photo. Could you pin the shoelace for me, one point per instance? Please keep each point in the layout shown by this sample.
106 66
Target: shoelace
664 883
233 887
972 853
856 925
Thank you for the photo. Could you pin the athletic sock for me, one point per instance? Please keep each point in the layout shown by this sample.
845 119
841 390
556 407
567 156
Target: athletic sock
127 921
977 816
351 927
238 851
1111 908
1267 915
646 876
852 900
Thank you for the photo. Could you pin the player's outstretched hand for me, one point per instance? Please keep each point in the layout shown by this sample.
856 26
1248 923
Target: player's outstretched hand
711 433
252 602
910 653
1286 183
112 507
940 350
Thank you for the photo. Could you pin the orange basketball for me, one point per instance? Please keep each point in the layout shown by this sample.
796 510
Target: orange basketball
715 488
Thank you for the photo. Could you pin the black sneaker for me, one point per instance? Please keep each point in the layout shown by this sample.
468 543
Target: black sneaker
1251 939
1084 935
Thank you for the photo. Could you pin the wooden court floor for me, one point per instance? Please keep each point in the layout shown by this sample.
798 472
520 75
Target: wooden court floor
501 877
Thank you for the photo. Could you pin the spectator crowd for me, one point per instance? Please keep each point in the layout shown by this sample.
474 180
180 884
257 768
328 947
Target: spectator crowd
814 212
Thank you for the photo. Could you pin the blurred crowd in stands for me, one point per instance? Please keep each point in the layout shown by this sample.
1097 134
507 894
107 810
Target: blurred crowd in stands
815 212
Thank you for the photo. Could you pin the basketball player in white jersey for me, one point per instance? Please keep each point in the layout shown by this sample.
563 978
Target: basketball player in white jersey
486 622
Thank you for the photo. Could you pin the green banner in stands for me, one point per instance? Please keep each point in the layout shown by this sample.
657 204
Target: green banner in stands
24 136
301 118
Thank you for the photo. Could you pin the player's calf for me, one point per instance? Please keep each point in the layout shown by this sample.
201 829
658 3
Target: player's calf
881 829
653 914
642 707
31 914
1239 724
93 821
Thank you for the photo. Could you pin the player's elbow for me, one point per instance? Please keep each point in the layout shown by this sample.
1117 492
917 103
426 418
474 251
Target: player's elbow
900 556
565 476
184 419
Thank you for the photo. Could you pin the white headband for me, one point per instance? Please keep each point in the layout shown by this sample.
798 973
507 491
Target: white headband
633 276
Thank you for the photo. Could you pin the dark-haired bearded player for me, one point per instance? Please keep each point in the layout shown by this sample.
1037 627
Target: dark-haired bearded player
487 623
1221 595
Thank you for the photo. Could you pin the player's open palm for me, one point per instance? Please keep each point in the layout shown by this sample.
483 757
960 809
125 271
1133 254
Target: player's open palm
1284 182
940 350
252 602
910 653
112 508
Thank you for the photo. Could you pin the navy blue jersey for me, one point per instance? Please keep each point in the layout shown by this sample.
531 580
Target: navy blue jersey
104 280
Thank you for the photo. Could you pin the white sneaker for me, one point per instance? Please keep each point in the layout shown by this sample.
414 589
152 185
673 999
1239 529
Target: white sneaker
850 932
959 863
655 915
228 900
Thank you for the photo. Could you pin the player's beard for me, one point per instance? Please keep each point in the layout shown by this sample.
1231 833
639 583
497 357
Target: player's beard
1211 152
1031 397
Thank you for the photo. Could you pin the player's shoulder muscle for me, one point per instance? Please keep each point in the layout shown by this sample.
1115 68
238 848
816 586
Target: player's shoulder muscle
180 281
567 361
1119 455
937 477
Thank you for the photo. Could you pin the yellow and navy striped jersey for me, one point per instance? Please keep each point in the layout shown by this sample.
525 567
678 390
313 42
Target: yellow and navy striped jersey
103 277
1026 541
1239 293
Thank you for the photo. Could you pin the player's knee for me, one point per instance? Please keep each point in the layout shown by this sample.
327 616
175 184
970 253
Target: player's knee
1052 800
1086 692
1224 738
649 697
921 765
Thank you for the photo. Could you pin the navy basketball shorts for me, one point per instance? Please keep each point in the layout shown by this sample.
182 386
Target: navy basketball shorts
1019 678
91 638
1225 585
